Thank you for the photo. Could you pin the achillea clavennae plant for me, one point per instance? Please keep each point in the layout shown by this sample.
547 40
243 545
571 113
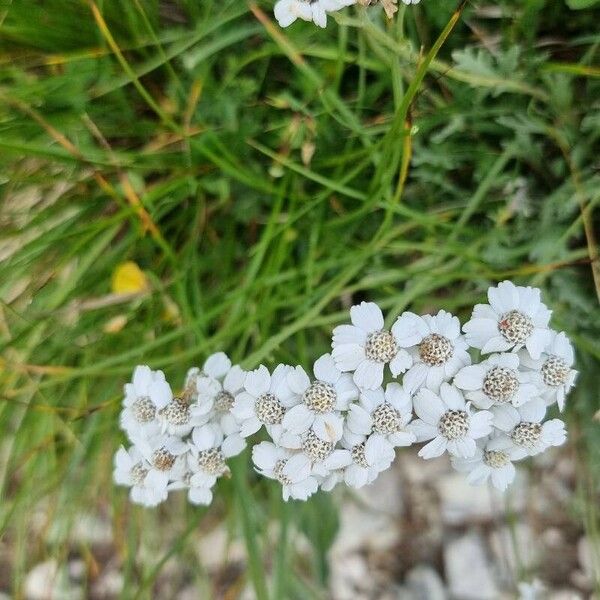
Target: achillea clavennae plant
343 423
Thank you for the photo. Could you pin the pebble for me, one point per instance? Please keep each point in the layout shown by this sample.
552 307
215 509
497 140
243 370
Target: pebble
468 570
424 583
50 581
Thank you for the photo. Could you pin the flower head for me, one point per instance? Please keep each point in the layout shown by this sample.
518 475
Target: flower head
437 348
369 456
319 402
145 396
493 460
497 380
525 427
447 420
131 469
215 388
382 413
264 401
365 347
291 469
514 318
287 11
554 373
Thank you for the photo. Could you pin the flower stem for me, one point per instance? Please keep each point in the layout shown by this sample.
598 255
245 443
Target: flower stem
249 526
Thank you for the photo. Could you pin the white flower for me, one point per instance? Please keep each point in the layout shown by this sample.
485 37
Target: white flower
365 347
216 387
287 11
492 460
324 456
292 470
497 380
384 414
437 348
554 372
515 317
198 486
321 401
144 397
209 448
448 422
148 486
525 428
369 457
264 401
164 453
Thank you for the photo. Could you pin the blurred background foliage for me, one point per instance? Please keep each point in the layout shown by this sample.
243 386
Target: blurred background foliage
182 176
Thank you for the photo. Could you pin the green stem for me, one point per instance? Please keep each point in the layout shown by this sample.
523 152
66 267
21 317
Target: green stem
249 527
281 564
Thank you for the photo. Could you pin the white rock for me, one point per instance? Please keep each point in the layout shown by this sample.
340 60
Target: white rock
362 528
589 563
92 530
384 495
50 581
424 583
467 569
565 595
350 579
216 548
503 542
109 584
462 503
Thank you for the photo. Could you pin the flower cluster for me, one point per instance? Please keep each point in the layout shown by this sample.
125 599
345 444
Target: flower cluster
288 11
179 442
380 388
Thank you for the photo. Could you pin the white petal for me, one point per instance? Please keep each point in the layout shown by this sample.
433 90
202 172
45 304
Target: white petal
464 447
244 406
258 381
378 451
470 378
480 424
265 456
232 445
250 426
409 329
496 344
200 496
423 431
536 342
298 419
234 380
503 477
349 334
298 380
356 476
452 397
533 411
325 369
369 374
435 448
297 467
367 316
217 365
415 377
347 357
402 361
428 406
358 420
338 459
329 427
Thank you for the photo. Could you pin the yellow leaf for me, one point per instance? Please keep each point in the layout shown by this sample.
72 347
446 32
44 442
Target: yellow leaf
128 278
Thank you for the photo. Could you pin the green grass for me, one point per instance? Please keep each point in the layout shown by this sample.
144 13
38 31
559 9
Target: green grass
263 179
